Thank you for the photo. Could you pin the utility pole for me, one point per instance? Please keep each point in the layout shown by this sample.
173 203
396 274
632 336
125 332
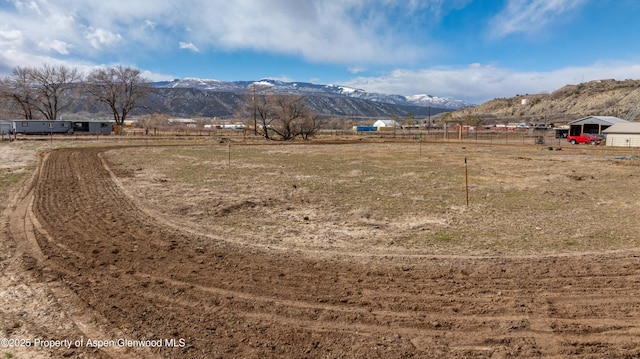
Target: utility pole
429 122
255 115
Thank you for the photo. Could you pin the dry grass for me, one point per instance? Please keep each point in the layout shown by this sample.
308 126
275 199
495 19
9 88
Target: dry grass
385 197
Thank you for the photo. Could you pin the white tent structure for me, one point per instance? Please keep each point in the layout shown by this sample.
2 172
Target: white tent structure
386 123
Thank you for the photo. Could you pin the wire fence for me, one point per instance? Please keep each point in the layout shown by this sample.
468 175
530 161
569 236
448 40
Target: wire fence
546 137
522 137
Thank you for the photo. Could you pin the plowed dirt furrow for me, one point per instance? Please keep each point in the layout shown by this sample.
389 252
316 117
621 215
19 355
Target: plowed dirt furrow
149 280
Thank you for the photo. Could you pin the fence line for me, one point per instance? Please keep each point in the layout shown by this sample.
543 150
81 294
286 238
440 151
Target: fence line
234 135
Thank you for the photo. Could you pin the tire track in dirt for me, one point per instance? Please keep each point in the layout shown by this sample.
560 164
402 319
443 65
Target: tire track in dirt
51 311
150 281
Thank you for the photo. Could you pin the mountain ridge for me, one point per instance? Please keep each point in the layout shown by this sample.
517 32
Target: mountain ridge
193 102
607 97
307 89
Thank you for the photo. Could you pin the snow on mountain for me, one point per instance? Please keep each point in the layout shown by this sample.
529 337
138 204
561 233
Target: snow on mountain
445 102
303 88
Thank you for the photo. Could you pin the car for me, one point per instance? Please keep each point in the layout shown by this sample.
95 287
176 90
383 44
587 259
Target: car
590 138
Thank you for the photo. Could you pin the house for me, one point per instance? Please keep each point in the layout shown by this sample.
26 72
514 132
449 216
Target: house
46 127
625 134
386 123
592 124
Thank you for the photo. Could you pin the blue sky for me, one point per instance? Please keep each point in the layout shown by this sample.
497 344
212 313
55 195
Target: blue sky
474 50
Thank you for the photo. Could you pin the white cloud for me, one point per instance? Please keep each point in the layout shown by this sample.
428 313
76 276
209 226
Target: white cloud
345 32
58 46
319 31
357 69
479 83
10 36
188 46
28 6
529 16
11 53
98 38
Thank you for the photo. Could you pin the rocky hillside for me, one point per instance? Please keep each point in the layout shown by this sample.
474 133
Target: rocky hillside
571 102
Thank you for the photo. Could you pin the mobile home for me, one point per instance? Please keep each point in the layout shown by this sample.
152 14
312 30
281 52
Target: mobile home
42 127
46 127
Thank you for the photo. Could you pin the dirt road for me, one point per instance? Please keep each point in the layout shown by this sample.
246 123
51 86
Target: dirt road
120 275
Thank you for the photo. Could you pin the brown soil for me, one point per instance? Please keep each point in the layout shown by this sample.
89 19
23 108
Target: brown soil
90 262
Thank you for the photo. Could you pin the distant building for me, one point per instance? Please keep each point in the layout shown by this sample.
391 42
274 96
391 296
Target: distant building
46 127
592 124
386 123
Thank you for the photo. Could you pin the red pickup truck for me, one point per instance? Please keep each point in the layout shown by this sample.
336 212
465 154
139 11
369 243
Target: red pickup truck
585 138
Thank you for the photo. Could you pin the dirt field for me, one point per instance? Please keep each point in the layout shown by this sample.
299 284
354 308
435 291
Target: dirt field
153 244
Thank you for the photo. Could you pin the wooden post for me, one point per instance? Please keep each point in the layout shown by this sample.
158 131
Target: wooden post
229 153
466 180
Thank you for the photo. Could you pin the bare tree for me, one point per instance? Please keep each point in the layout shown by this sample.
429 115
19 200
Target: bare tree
153 121
18 91
309 126
257 109
119 88
288 113
51 85
409 120
43 90
263 109
280 117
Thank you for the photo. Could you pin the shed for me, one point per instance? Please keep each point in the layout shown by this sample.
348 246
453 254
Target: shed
6 129
626 134
561 131
592 124
386 123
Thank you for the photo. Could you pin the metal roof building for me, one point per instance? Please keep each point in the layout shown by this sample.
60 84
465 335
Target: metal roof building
593 124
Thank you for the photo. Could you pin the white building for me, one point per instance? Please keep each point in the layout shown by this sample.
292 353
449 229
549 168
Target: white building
386 123
624 134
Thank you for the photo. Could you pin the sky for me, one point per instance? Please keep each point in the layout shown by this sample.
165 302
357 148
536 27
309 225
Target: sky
472 50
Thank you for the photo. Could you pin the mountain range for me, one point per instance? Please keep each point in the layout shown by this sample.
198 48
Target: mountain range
192 98
310 89
208 98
